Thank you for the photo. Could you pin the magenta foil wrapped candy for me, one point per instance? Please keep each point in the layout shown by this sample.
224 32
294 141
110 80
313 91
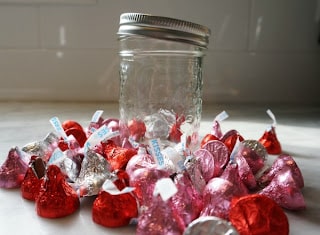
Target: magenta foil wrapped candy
205 163
14 168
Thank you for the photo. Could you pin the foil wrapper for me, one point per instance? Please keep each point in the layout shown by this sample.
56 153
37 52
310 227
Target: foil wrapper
114 210
254 153
159 218
205 163
187 202
212 225
284 190
43 148
33 179
137 129
94 171
141 160
270 141
56 198
117 157
192 167
207 138
230 139
220 155
14 168
245 172
144 180
282 162
156 126
258 214
231 173
217 197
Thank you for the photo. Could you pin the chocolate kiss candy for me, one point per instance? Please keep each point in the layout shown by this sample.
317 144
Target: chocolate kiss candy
187 202
137 129
205 163
216 129
207 138
118 157
159 219
114 210
94 171
30 186
254 153
284 190
281 163
217 196
245 172
230 138
14 168
212 225
141 160
270 141
68 124
56 197
195 174
220 155
113 125
258 214
43 148
144 180
231 173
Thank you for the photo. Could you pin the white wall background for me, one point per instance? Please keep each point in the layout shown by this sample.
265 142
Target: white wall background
263 51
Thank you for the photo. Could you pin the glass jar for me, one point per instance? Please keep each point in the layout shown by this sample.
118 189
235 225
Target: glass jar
160 78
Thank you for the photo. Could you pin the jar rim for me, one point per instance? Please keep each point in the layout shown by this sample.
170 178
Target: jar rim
163 28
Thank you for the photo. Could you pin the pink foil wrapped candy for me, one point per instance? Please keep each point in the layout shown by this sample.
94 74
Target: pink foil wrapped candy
159 219
144 180
217 197
245 172
187 202
192 167
205 163
231 173
141 160
14 168
220 155
283 162
284 190
255 154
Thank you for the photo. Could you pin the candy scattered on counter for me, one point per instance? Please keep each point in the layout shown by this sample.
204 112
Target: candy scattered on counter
166 189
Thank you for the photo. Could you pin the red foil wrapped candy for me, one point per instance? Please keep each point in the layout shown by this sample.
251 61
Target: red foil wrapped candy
14 168
33 179
56 197
118 157
258 215
114 209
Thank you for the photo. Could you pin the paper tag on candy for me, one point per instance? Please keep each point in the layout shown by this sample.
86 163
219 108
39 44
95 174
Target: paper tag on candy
166 188
221 116
155 149
96 116
55 122
103 133
109 187
56 156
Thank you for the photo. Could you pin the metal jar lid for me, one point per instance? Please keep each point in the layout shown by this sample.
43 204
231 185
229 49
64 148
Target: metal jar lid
163 28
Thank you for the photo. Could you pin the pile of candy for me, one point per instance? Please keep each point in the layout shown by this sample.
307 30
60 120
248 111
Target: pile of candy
223 187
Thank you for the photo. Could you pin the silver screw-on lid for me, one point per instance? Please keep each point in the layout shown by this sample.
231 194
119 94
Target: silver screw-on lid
163 28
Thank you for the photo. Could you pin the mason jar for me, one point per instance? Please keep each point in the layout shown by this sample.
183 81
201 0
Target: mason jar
161 64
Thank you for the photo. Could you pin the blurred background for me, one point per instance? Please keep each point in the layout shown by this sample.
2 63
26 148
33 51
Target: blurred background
261 51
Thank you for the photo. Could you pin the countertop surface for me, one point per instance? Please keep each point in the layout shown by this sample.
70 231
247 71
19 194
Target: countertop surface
298 131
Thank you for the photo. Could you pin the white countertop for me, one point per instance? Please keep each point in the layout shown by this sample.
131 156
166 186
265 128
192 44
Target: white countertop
298 131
